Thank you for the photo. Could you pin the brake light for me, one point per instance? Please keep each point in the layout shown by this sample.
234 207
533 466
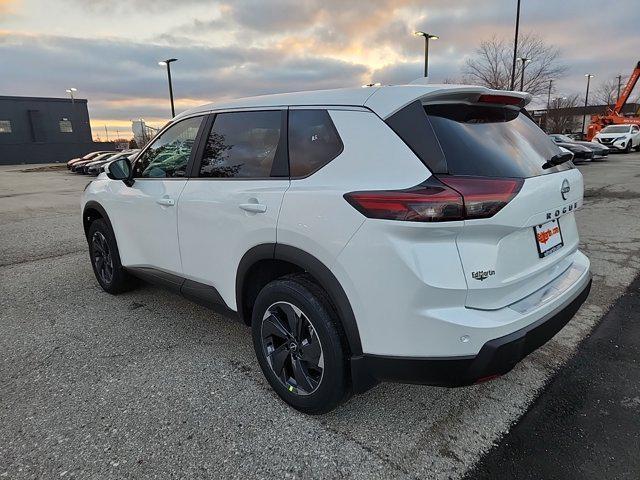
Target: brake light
431 201
484 196
442 199
501 99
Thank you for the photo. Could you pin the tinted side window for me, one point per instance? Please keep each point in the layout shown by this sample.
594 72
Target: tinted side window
169 153
313 141
242 145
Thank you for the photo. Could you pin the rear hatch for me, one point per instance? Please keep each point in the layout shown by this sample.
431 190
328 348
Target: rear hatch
519 228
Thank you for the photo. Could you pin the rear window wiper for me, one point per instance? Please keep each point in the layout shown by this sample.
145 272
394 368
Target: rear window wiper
558 159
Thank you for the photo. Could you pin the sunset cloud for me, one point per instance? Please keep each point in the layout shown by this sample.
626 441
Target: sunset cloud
109 49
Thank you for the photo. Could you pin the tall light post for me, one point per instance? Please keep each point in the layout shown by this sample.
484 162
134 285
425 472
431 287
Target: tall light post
167 62
427 37
619 77
515 49
586 101
70 92
524 62
546 118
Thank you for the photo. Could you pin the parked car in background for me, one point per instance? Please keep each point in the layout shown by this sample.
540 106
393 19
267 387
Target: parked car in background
599 151
580 152
88 156
622 138
94 168
77 167
422 234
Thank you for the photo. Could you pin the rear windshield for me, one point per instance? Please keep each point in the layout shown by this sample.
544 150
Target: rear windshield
491 141
477 140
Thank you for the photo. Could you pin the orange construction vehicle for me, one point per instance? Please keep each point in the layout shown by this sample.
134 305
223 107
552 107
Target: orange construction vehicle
615 116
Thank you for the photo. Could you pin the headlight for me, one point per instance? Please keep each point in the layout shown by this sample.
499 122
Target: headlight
620 138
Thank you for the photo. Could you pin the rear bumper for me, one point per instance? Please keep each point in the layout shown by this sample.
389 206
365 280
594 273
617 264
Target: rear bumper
496 357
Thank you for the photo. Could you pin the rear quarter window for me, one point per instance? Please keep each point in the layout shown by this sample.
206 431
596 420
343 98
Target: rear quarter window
313 141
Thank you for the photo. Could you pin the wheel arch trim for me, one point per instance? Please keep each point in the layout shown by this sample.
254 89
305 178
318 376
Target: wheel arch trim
93 205
317 270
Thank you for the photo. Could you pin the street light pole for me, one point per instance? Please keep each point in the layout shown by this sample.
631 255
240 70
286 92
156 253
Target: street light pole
619 77
168 64
586 100
70 92
426 36
515 49
546 120
524 62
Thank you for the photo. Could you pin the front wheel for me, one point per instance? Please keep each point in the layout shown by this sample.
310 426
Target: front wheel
629 146
299 344
105 259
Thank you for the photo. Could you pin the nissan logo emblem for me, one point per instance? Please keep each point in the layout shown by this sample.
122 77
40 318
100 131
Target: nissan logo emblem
565 189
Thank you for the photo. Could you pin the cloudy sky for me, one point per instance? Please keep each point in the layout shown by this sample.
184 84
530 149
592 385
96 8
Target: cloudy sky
109 49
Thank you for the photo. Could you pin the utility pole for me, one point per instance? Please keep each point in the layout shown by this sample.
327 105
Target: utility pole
515 49
106 133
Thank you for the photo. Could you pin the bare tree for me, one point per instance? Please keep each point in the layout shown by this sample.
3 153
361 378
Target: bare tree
560 119
491 64
606 93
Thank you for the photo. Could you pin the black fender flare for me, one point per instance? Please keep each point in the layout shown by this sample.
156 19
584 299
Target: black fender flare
317 270
93 205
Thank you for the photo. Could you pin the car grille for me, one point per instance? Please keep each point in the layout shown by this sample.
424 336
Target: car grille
606 141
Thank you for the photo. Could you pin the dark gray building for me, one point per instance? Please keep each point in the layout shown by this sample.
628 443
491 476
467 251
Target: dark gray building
44 130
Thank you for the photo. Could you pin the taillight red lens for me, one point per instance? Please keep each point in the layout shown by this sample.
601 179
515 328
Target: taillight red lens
431 201
446 198
483 196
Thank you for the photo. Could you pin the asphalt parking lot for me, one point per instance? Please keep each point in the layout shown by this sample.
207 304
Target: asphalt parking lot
147 385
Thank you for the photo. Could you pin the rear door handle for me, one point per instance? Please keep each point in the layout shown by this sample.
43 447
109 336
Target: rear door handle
166 201
253 207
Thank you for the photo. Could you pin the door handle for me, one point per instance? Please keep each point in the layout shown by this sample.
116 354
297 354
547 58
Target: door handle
166 201
253 207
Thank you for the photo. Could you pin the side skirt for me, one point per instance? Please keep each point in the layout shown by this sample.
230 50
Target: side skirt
197 292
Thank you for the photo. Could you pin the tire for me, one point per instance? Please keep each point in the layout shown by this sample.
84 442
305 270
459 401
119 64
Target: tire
313 353
629 146
105 259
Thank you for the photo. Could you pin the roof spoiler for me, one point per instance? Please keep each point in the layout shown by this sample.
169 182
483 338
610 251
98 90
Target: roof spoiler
478 95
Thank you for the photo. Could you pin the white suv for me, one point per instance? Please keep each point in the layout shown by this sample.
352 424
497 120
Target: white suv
420 234
621 137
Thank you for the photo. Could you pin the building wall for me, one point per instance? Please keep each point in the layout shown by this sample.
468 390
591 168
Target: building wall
45 130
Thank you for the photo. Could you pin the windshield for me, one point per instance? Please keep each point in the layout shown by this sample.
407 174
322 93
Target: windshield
616 129
491 141
562 138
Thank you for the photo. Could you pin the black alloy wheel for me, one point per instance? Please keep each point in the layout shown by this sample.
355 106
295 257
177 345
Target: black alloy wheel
102 259
292 348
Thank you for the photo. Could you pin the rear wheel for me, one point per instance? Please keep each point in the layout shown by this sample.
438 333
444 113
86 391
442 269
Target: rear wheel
105 259
299 345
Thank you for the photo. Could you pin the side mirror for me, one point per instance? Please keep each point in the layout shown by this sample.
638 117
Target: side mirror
120 170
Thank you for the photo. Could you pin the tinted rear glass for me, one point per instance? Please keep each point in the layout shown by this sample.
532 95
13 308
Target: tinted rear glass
491 141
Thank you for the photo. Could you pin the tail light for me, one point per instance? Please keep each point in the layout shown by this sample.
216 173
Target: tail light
484 197
442 199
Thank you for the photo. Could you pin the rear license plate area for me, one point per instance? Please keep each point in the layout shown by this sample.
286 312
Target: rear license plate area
548 238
